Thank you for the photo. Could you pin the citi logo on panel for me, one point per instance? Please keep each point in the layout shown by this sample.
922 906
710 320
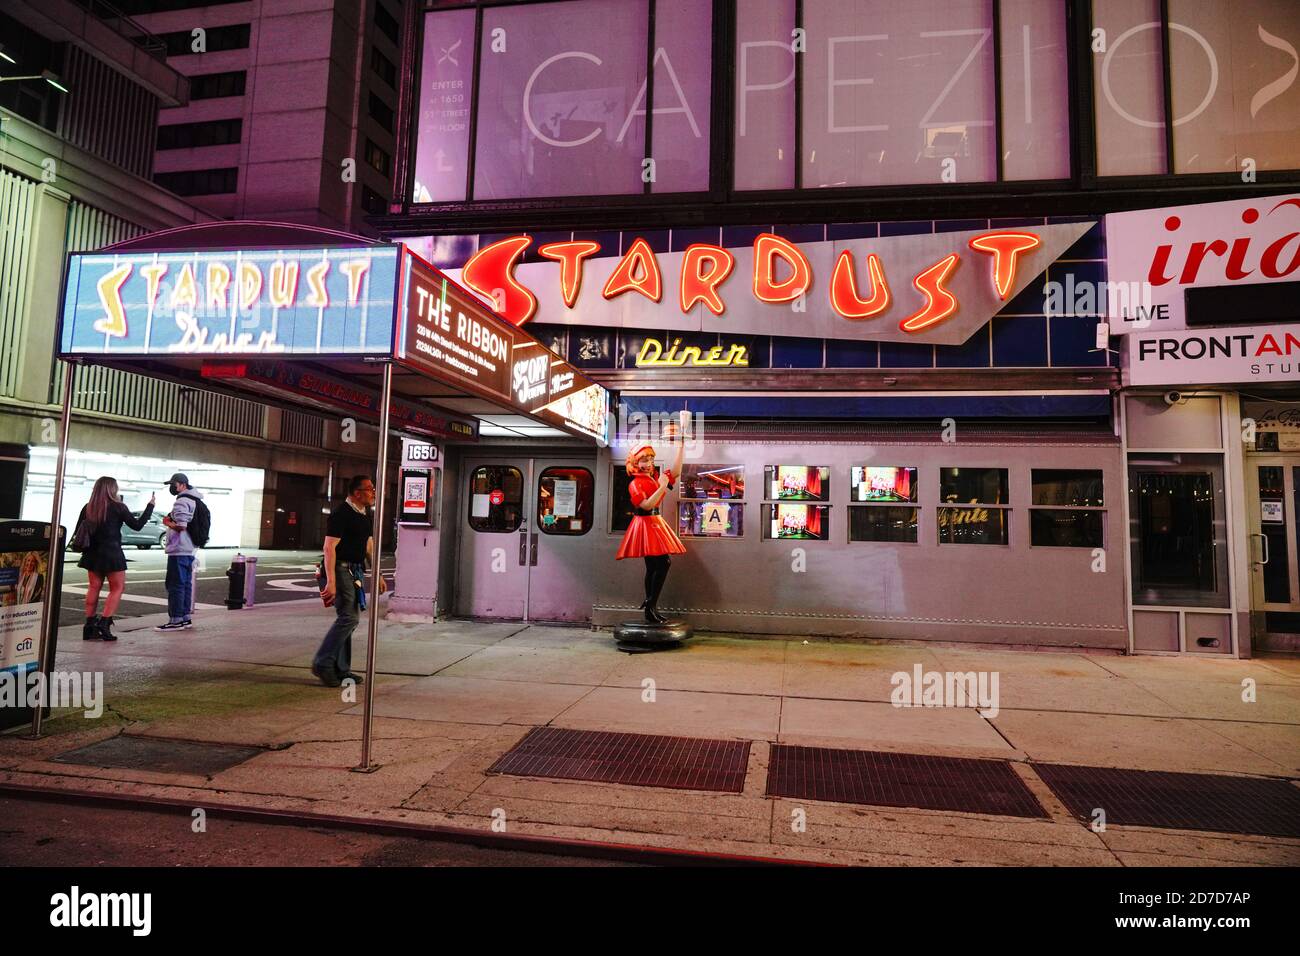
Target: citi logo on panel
77 909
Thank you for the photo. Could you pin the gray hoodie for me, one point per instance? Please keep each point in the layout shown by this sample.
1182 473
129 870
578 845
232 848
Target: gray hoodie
178 542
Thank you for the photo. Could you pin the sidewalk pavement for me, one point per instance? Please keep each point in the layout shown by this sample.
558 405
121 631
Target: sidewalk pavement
452 696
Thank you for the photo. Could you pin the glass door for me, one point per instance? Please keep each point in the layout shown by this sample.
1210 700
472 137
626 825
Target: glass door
1273 495
526 549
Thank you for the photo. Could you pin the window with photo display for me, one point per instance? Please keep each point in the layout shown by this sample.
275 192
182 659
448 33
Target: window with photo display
710 501
797 482
796 522
879 504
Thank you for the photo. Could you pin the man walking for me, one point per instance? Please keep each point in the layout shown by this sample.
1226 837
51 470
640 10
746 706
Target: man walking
180 550
348 544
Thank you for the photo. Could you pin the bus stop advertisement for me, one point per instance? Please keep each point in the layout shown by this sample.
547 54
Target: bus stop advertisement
29 624
328 326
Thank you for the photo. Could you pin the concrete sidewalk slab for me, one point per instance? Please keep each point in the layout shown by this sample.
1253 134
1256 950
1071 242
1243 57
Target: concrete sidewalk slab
870 725
452 696
1143 743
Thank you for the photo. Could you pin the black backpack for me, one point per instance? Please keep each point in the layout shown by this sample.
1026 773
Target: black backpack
200 525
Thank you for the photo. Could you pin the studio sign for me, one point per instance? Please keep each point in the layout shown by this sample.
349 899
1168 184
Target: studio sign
893 288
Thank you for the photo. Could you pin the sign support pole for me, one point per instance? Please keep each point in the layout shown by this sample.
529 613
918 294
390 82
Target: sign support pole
49 619
377 535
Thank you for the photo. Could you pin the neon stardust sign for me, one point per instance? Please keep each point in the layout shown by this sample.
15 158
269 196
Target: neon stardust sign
705 268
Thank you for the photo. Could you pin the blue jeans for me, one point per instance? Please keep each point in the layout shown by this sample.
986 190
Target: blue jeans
180 587
335 651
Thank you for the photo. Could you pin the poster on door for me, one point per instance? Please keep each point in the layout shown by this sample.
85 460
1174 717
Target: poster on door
1270 512
566 498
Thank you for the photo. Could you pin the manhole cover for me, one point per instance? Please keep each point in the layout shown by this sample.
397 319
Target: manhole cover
162 756
878 778
1177 801
644 760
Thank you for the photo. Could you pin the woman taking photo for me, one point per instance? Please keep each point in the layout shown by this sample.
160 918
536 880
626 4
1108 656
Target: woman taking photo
99 531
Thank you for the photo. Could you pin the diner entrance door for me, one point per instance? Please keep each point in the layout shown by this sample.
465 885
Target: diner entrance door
1272 486
524 527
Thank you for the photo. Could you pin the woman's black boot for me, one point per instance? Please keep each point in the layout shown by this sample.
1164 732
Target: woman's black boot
90 630
106 629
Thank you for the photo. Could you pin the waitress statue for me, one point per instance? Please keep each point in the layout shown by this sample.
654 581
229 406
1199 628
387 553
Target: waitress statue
649 536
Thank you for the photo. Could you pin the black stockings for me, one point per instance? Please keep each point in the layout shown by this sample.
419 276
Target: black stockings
656 573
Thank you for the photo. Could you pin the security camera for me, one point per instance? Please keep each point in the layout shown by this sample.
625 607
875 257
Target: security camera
1173 398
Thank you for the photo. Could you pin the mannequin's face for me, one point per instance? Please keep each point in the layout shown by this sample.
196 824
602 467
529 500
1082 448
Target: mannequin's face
645 463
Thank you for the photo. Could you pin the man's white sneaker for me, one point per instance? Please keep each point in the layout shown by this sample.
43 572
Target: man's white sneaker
170 626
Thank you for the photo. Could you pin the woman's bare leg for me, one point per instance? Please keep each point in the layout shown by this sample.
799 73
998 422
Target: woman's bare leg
116 585
94 583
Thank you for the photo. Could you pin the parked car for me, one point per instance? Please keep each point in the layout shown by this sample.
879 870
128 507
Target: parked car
152 533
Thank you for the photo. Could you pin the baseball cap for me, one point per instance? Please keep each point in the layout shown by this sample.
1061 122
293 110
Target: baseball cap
183 479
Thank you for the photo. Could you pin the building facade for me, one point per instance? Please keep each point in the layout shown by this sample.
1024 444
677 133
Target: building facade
76 170
292 107
871 255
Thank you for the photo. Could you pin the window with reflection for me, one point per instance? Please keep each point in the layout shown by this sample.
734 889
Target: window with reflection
1067 510
975 509
711 501
565 501
875 512
496 499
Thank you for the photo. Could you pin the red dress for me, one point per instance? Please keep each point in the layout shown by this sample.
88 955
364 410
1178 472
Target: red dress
648 534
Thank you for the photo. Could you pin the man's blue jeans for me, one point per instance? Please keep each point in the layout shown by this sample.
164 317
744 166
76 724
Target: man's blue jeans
335 652
180 587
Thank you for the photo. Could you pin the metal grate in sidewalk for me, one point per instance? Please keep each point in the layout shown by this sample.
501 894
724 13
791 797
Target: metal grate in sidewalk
643 760
879 778
1177 801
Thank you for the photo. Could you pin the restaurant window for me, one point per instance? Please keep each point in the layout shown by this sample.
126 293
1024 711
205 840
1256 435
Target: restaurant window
797 482
974 509
496 499
1224 86
1179 552
710 501
565 500
882 504
1067 510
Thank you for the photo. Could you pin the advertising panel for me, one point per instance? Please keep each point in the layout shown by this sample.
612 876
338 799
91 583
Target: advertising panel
448 333
1229 356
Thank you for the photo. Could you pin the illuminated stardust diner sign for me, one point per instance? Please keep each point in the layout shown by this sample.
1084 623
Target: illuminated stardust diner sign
937 288
299 301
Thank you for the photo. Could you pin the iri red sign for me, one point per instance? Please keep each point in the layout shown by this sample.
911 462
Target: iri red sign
1166 251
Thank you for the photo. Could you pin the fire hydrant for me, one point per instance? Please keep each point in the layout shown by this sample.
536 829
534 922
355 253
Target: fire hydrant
236 573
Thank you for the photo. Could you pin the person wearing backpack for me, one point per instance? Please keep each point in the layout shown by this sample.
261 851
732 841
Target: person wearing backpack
188 526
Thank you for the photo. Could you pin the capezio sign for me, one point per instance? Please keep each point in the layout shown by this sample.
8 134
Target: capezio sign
1163 252
294 301
937 288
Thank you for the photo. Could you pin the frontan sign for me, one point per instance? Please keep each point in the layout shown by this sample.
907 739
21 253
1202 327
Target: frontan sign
287 301
937 288
1214 356
1166 251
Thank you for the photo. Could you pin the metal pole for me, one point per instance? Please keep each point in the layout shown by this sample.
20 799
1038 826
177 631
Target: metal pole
51 609
377 536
